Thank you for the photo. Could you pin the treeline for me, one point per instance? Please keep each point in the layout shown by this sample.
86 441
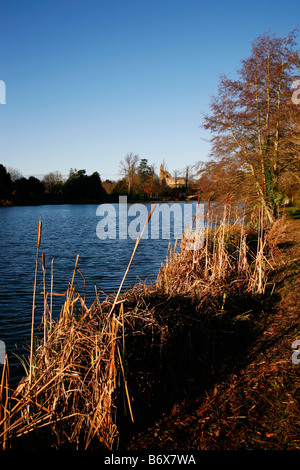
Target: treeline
138 181
254 122
53 189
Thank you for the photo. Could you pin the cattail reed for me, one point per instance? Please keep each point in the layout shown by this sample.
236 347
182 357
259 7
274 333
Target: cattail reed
38 242
242 262
206 240
51 296
45 297
222 238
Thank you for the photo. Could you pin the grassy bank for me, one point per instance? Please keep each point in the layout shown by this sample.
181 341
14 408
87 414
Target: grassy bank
201 359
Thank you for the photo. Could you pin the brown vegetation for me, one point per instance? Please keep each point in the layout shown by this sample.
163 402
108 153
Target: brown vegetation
255 128
205 351
255 405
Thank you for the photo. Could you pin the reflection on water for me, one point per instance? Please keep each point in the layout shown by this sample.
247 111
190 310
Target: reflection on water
67 230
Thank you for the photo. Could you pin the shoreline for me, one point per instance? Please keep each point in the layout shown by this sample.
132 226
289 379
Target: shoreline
108 199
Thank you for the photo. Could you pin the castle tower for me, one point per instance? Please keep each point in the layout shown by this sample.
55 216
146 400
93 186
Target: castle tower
161 174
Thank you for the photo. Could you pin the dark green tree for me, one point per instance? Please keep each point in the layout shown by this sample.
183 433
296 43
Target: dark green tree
146 175
94 188
5 183
120 188
80 186
31 189
74 186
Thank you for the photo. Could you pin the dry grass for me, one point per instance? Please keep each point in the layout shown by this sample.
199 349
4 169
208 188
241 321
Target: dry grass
254 406
78 374
229 252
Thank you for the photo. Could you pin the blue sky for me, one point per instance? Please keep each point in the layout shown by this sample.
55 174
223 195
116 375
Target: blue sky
89 81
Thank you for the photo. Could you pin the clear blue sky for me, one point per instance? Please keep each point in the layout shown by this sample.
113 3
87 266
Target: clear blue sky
88 81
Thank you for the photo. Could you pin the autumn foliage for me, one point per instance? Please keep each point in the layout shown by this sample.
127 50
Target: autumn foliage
255 127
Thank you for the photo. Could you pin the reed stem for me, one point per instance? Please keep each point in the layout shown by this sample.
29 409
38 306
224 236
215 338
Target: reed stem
51 295
33 301
132 256
45 297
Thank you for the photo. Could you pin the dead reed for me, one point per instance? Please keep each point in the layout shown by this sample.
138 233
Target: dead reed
38 241
77 370
230 252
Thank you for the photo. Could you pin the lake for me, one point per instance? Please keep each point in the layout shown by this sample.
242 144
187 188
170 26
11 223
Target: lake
68 230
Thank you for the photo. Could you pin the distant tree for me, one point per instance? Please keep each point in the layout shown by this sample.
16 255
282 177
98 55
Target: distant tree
108 186
36 188
52 178
120 187
53 182
74 187
128 168
144 169
76 174
253 122
148 180
31 189
21 188
81 186
145 173
94 188
14 174
5 183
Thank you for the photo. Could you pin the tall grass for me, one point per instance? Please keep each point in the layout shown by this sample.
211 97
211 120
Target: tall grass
77 370
231 252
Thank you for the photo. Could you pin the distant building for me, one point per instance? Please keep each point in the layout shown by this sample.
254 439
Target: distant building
164 176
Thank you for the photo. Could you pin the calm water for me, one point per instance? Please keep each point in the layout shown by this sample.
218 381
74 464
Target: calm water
67 230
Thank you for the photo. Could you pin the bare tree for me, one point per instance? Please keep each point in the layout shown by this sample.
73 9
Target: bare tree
254 121
129 168
53 181
14 174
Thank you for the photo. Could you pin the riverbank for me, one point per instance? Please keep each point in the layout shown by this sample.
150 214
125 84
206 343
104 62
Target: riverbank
201 359
255 402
